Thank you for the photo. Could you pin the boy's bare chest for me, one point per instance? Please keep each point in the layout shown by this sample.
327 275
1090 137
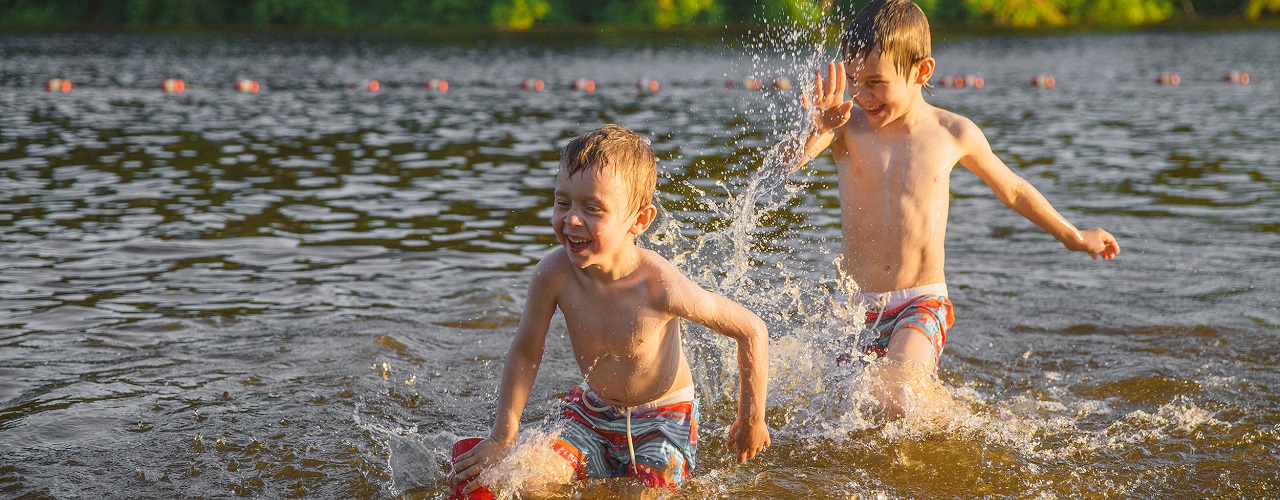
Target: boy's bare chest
901 164
619 321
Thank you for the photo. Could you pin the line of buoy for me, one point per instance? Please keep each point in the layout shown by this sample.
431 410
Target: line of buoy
649 86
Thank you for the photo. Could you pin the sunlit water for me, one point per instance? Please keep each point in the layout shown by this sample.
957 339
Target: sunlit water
309 291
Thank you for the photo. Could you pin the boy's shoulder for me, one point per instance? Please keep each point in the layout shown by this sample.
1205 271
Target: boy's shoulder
553 268
956 124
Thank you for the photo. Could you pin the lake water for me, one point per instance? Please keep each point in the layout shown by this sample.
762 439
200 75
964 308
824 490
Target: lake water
309 291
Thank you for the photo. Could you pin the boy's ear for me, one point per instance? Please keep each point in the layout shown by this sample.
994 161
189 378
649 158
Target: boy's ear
644 219
924 70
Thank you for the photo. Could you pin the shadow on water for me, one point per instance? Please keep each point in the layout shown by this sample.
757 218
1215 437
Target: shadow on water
309 291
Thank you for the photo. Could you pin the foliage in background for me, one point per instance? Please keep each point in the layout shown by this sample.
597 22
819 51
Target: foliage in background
524 14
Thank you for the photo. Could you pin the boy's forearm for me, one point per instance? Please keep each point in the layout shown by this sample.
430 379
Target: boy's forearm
753 373
808 146
518 375
1037 209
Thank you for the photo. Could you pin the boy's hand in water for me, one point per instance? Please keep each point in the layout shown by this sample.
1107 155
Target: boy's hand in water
476 460
747 440
1098 243
829 103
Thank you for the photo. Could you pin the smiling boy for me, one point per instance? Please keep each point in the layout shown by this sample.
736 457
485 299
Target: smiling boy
894 158
634 414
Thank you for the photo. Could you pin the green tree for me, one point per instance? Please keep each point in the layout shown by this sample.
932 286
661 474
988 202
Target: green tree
1254 8
518 14
1020 13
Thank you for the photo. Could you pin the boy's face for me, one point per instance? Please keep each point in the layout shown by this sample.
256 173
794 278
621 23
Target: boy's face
883 92
592 216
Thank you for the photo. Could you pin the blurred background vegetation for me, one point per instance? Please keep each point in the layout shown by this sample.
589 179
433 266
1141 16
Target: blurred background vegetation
525 14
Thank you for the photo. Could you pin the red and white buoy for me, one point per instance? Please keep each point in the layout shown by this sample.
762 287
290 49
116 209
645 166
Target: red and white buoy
248 86
370 85
58 85
1237 77
173 85
533 84
1044 81
729 84
1170 79
960 81
752 83
782 83
437 84
584 84
648 86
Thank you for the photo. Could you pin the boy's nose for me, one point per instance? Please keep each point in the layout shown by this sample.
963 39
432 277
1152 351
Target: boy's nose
572 219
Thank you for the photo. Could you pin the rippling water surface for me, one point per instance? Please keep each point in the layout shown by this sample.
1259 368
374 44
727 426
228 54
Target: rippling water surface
309 291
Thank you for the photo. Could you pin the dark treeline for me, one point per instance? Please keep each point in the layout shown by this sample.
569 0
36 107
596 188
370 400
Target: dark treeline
523 14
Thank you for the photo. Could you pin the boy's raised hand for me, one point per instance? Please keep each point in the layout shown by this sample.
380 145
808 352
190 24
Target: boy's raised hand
476 460
828 104
747 441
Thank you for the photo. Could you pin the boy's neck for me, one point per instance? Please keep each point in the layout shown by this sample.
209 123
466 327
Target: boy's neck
622 264
917 104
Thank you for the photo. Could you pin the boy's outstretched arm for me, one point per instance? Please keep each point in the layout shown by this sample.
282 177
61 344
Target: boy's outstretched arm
749 435
830 108
518 373
1018 194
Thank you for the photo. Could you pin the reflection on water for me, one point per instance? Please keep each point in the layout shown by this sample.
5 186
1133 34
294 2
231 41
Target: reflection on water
309 290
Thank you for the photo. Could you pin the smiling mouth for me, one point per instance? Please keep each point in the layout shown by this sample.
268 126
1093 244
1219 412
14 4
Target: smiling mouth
576 245
874 111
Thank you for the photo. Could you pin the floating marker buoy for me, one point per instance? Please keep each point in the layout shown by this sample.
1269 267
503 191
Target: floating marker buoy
728 84
58 85
1171 79
533 84
782 83
1046 81
648 86
370 85
437 84
974 81
752 83
173 85
1237 77
584 84
248 86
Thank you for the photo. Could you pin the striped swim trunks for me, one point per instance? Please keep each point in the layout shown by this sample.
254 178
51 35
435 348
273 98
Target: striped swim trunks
924 309
600 440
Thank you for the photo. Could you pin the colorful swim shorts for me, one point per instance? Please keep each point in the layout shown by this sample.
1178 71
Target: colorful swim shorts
664 434
929 313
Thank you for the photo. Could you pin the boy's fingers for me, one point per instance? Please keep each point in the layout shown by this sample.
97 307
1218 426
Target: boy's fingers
843 80
818 93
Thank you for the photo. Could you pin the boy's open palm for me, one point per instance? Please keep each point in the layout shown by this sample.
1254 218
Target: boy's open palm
829 105
747 441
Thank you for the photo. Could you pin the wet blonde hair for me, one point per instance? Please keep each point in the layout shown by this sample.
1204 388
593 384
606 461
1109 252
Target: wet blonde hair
618 148
897 27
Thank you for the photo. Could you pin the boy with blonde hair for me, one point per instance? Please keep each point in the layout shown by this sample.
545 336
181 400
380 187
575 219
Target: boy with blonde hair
634 413
894 158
